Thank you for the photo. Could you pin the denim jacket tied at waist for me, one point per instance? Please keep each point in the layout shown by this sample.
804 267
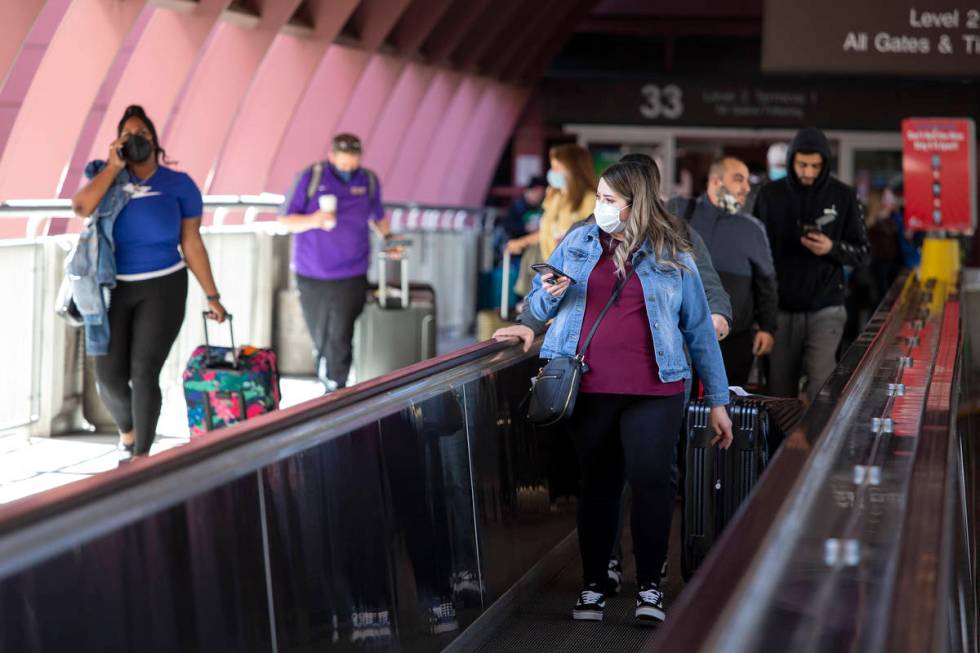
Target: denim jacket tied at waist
676 306
91 265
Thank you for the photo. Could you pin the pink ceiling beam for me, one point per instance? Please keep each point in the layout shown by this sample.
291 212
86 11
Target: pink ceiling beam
416 23
402 182
504 105
202 117
312 124
446 145
18 18
168 46
452 28
61 94
490 25
22 69
266 111
393 125
373 20
370 99
96 116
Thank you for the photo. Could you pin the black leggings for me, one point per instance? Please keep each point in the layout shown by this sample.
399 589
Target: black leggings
635 435
144 320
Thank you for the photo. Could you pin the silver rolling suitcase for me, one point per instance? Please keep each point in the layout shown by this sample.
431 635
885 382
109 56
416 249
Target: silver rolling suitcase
397 327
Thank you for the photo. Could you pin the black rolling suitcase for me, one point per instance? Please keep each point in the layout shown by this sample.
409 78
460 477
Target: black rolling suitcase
717 481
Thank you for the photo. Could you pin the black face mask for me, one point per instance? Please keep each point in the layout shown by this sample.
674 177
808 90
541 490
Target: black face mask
137 149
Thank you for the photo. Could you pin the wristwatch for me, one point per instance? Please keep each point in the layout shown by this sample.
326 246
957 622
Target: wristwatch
213 298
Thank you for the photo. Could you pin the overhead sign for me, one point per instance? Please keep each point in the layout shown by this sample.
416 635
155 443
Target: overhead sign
939 169
749 102
898 37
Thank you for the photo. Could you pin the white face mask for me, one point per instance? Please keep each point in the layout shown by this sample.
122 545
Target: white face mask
607 217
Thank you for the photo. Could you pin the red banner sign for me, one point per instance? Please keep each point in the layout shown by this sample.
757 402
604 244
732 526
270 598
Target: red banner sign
939 167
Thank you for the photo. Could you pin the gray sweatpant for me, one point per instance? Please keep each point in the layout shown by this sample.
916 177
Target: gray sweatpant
806 344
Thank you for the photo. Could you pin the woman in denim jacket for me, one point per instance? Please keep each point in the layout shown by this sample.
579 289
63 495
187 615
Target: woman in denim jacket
631 403
155 238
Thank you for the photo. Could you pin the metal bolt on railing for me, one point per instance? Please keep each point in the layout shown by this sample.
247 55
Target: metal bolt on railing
871 474
896 389
882 425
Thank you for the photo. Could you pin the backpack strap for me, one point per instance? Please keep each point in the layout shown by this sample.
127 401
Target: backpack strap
316 174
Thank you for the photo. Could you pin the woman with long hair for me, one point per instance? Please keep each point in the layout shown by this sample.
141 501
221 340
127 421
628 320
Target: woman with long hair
569 198
156 237
631 402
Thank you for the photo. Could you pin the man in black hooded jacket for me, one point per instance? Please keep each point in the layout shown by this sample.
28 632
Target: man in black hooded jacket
815 228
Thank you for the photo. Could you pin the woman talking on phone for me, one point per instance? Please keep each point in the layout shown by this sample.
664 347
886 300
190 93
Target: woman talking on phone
630 405
153 214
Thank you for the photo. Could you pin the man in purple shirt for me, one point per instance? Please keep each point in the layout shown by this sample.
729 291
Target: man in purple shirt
331 208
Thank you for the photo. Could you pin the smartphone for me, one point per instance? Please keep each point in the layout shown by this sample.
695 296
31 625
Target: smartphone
545 268
811 229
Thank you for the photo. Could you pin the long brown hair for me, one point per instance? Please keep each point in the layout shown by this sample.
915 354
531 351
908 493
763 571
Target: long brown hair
581 179
639 185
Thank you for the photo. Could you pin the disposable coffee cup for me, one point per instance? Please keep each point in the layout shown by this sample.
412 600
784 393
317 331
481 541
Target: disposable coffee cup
328 203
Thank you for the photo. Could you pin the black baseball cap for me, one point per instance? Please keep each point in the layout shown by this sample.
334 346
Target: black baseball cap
347 143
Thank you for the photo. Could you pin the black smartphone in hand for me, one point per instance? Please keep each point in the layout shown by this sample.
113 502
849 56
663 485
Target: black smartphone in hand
545 268
811 229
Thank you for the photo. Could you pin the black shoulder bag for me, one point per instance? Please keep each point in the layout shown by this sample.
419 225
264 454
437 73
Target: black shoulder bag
555 388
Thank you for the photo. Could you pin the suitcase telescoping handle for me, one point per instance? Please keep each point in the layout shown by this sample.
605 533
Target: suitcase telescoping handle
383 257
505 287
231 329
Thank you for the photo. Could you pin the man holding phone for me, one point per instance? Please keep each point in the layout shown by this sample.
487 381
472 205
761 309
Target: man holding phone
331 207
815 227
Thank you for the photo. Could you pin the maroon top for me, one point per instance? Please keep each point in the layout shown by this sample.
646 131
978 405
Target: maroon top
620 359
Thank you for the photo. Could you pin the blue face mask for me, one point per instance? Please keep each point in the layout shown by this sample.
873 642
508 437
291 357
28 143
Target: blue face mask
776 174
556 179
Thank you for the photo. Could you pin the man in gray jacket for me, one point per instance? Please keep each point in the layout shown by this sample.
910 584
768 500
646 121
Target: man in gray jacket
740 251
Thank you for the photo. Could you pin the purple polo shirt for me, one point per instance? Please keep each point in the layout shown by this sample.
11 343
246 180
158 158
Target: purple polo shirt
345 251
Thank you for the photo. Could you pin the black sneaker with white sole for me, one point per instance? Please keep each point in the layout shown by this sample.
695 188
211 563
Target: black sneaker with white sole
590 605
615 576
650 604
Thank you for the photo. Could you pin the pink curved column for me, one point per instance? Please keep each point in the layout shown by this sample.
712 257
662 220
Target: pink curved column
445 146
285 74
505 106
312 124
369 99
73 179
406 173
18 19
61 95
374 19
29 53
485 132
169 46
392 127
204 114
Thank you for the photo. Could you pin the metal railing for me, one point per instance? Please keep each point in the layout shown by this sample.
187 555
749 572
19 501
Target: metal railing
859 535
49 384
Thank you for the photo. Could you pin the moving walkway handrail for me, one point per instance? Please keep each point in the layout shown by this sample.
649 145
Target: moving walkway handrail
266 202
925 562
707 600
198 461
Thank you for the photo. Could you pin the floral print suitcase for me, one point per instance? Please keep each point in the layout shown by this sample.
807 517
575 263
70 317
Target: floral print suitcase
227 385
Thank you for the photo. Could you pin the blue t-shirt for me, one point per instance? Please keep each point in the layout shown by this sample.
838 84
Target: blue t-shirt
147 231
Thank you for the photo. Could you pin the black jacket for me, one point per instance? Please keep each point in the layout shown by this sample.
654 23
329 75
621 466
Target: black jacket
740 252
808 282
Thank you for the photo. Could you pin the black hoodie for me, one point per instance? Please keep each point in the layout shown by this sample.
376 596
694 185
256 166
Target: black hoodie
808 282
